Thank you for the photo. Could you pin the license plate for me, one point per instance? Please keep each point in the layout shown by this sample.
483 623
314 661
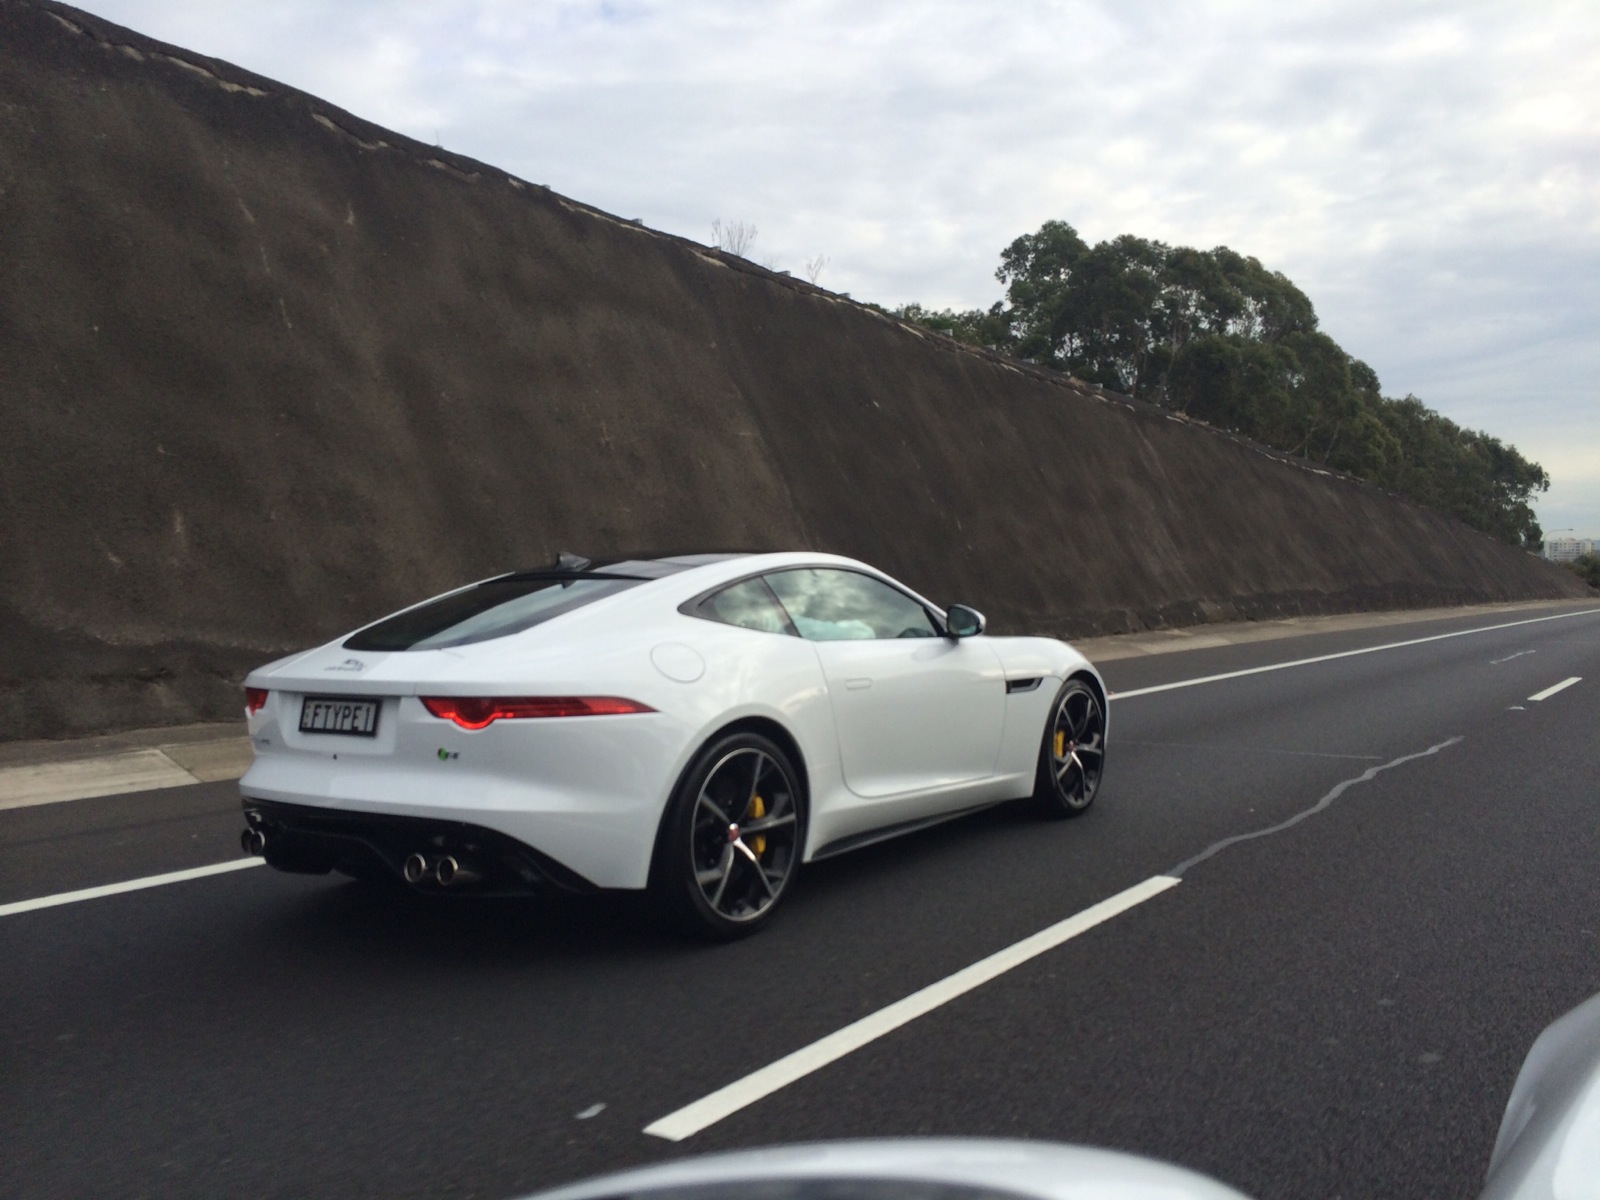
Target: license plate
337 714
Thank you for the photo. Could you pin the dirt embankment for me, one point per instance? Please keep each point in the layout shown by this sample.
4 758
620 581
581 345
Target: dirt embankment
268 371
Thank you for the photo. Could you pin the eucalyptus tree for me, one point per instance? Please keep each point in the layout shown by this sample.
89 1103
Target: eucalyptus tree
1218 336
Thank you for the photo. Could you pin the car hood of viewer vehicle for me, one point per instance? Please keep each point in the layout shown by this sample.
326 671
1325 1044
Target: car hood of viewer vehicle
908 1169
1548 1148
1549 1143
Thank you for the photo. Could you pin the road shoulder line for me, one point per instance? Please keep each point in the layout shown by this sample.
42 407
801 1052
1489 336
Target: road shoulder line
129 885
1322 658
1110 648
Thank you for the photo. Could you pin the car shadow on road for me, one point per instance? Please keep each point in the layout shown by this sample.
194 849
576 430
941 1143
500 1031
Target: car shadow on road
349 920
382 919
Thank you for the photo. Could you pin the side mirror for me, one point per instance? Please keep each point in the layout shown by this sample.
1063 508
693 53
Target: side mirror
963 622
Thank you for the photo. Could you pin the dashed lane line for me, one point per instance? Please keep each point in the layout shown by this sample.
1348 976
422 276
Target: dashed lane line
130 885
1560 687
742 1093
1321 658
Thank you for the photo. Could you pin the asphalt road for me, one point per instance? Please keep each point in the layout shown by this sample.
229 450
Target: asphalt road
1336 1009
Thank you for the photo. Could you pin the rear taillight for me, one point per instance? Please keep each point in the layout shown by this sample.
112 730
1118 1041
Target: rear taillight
254 700
475 712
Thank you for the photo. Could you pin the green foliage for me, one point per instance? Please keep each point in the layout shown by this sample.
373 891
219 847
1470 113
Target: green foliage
975 327
1214 334
1587 567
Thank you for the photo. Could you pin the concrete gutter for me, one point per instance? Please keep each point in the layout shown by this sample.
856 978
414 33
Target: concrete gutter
138 761
46 772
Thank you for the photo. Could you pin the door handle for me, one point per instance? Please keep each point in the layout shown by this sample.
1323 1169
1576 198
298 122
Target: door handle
855 685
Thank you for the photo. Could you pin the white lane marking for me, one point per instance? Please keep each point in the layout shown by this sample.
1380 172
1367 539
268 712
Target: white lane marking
112 775
742 1093
130 885
1560 687
1495 662
1321 658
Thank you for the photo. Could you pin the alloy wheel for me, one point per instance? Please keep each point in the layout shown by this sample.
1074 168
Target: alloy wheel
1074 751
744 834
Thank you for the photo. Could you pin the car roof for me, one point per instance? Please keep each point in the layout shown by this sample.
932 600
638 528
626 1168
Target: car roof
648 565
712 575
690 574
639 565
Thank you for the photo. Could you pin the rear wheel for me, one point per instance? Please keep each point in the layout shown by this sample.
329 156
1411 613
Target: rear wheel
1072 758
732 839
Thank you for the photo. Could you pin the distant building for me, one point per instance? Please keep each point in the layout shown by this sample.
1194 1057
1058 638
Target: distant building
1565 549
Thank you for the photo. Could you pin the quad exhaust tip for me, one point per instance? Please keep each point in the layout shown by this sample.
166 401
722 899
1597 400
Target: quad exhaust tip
449 871
444 870
253 842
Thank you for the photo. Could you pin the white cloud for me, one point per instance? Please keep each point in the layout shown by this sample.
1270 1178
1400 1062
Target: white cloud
1429 173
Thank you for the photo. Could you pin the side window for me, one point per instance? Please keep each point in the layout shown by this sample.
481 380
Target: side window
749 605
832 606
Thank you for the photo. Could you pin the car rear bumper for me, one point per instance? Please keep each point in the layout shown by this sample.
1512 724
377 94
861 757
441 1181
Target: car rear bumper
308 839
586 792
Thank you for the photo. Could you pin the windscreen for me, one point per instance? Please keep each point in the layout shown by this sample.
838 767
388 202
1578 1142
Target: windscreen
496 608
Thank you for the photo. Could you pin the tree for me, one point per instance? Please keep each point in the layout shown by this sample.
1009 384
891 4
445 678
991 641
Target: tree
1587 567
976 327
1121 313
736 237
1217 335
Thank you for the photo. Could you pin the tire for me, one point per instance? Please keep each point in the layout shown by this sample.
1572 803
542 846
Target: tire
1072 755
731 840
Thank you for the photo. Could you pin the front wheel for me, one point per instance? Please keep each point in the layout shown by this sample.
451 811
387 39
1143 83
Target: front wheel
733 837
1073 756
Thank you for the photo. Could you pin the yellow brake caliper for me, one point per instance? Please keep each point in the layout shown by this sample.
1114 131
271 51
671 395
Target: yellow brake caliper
1061 744
758 809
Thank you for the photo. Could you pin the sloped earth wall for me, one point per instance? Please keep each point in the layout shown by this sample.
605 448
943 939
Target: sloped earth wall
269 371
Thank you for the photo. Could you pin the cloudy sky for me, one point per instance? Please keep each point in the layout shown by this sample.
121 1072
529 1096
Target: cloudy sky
1428 173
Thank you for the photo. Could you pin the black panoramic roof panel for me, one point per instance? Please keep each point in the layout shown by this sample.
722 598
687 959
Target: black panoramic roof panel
642 565
509 604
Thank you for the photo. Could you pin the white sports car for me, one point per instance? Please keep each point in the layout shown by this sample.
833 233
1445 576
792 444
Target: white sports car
698 725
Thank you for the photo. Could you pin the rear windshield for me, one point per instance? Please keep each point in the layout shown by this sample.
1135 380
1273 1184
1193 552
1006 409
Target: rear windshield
496 608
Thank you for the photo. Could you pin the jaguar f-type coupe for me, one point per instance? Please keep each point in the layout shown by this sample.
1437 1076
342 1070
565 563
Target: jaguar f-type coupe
695 725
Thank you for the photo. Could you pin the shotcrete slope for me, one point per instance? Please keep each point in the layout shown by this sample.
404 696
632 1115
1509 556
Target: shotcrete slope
269 371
